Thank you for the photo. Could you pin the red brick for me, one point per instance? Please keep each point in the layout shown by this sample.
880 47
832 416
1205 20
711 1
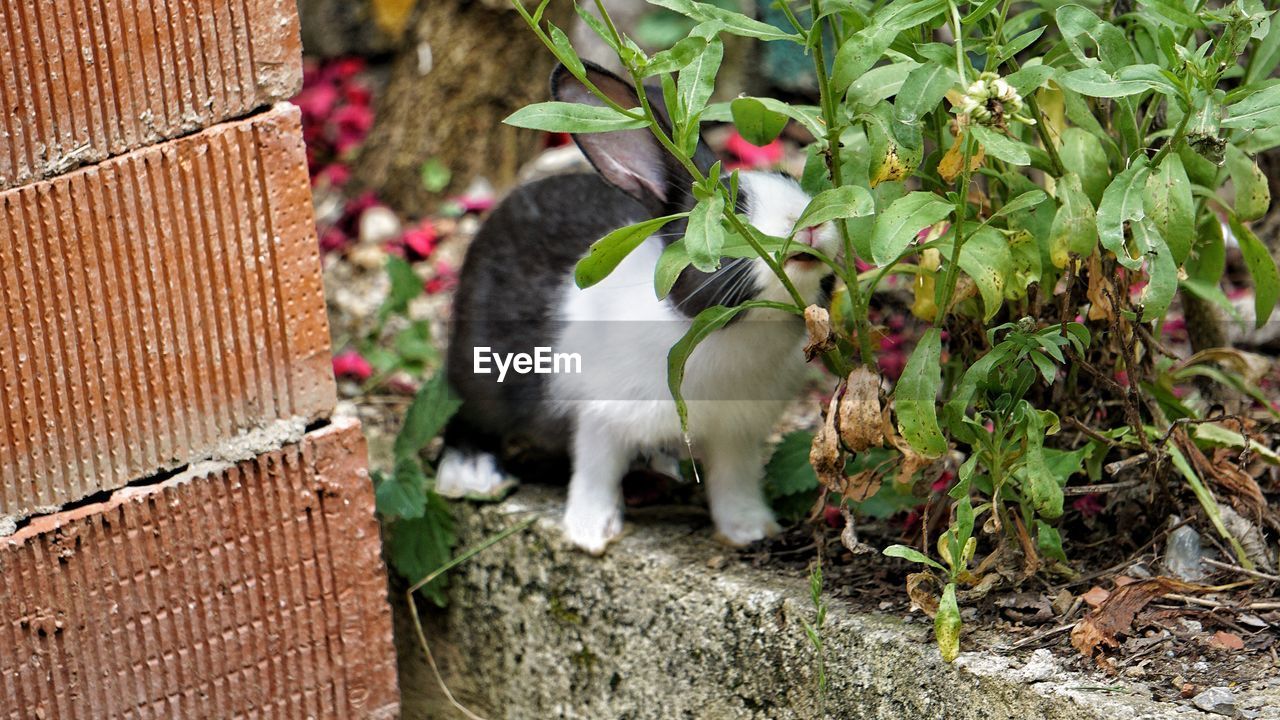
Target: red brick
81 80
154 306
254 589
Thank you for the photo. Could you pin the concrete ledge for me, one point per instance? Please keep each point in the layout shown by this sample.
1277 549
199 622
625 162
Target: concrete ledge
537 630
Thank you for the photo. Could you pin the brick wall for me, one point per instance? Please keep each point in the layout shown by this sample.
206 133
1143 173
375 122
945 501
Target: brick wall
182 531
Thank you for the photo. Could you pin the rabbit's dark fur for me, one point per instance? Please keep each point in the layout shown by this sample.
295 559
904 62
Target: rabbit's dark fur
517 293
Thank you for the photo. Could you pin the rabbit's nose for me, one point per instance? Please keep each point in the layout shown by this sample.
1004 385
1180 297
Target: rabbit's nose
809 235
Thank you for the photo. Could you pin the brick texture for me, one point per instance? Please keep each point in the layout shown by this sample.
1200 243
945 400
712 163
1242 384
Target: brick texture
154 306
81 80
251 590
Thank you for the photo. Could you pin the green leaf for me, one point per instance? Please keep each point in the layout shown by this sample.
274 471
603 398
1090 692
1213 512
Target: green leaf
789 474
880 83
571 118
758 124
1265 56
1208 259
1208 503
677 57
913 555
673 260
1075 227
431 408
947 624
1049 542
705 235
1168 202
1122 202
1042 487
1083 155
859 54
404 494
564 51
1262 267
897 226
1028 199
1252 194
405 286
964 391
413 344
1001 146
1130 80
986 259
435 175
734 23
608 251
807 115
1092 40
916 397
923 90
707 322
843 202
1162 270
417 547
1029 78
697 80
1257 111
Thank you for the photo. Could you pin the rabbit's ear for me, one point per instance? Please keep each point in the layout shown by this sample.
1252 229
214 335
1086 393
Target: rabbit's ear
631 160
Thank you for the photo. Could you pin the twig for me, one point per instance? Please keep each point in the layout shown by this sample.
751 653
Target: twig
1242 571
1119 466
1100 488
1043 636
413 606
1089 431
1215 605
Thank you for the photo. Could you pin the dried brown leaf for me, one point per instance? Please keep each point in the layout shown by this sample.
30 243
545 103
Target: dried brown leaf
860 413
1100 291
1227 641
824 454
923 597
817 321
1114 616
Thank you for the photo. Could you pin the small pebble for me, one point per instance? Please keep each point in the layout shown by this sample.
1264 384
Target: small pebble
1217 700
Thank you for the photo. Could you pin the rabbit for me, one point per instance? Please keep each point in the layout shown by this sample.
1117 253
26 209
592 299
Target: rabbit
516 292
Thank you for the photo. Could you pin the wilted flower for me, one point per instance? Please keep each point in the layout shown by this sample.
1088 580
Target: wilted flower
990 100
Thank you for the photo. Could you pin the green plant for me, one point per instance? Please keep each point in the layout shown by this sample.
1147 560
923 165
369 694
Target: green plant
813 630
1079 149
420 528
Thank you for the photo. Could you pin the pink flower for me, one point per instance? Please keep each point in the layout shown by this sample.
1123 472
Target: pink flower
355 93
421 239
474 203
351 365
833 517
1088 505
943 481
334 174
351 123
342 69
751 156
316 102
444 279
333 239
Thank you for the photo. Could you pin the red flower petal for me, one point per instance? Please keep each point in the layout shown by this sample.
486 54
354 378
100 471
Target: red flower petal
351 364
753 155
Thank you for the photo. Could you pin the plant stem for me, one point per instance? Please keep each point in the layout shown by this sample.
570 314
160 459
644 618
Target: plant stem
581 77
1178 135
856 301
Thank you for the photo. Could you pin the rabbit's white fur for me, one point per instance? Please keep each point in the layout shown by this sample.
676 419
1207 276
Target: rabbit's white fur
623 333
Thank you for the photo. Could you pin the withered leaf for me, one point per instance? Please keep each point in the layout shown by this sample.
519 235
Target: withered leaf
818 323
824 454
859 411
1115 615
